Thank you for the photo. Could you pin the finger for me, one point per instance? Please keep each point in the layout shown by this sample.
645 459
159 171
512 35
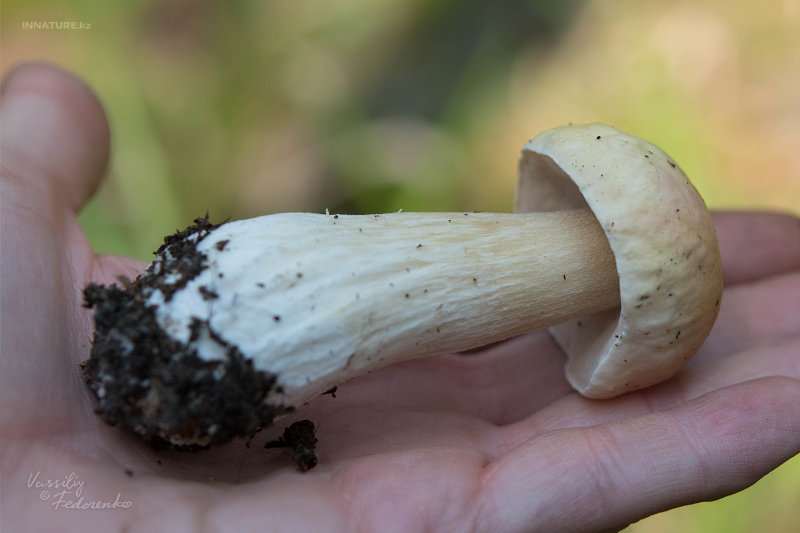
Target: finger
55 136
573 410
54 148
610 475
779 359
757 245
754 314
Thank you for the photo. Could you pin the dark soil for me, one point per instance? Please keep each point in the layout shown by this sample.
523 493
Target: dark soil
179 255
157 387
301 437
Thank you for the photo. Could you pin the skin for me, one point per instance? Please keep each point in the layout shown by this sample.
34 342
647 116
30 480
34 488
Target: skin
494 440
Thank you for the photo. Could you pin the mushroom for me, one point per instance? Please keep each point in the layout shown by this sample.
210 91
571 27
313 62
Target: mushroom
234 325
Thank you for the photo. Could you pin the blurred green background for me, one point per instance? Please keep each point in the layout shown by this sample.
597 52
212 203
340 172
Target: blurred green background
247 107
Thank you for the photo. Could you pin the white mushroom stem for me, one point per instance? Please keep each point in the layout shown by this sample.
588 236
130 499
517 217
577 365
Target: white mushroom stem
319 299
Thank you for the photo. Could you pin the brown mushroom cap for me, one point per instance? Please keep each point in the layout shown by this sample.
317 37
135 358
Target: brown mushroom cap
664 244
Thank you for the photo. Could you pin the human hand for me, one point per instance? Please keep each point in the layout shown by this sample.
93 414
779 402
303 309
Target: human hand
495 440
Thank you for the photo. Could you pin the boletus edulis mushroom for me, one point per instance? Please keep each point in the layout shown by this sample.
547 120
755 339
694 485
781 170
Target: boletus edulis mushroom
231 326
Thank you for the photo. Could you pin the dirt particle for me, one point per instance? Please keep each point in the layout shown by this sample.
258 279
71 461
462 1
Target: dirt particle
179 256
276 318
220 245
598 136
301 437
207 293
419 246
672 164
332 392
260 285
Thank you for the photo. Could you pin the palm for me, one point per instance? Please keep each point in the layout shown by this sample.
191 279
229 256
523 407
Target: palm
494 440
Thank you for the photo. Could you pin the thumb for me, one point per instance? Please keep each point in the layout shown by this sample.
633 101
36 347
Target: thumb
54 148
55 136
